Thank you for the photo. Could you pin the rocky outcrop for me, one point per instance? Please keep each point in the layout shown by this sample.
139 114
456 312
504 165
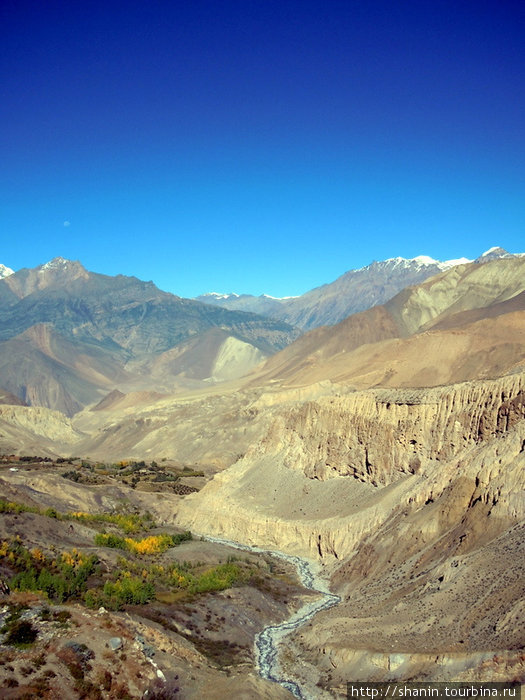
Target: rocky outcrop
42 421
25 430
379 436
7 398
435 590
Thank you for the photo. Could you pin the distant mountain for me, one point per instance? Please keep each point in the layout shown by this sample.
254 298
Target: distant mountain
465 323
264 304
361 289
5 271
354 291
494 254
69 336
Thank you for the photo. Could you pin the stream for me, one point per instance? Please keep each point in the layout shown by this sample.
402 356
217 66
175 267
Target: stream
267 641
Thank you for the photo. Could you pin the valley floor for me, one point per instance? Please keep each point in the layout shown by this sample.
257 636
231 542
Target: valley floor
191 640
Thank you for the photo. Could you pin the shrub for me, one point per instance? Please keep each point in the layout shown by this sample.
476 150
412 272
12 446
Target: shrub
155 544
183 537
10 507
21 633
72 475
108 540
129 590
52 513
129 523
217 579
149 545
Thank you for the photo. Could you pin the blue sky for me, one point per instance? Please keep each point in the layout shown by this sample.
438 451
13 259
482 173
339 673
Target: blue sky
259 146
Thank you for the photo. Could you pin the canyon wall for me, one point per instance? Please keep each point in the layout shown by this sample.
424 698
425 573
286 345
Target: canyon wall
331 470
381 435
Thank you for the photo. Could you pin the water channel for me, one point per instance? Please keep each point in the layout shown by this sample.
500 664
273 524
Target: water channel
268 640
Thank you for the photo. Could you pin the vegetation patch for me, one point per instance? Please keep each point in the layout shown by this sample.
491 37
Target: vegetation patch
155 544
12 507
137 583
60 578
126 590
66 576
129 523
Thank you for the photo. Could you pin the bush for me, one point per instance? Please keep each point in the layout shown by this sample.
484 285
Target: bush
149 545
155 544
10 507
217 579
128 590
72 475
52 513
183 537
21 633
129 523
108 540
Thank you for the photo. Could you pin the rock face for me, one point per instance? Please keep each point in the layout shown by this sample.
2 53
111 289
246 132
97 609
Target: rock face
11 399
434 590
381 435
346 461
35 431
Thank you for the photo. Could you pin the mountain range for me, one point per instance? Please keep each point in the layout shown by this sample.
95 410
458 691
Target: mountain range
354 291
464 323
68 336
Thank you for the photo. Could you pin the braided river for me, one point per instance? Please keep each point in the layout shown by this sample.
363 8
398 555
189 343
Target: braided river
268 641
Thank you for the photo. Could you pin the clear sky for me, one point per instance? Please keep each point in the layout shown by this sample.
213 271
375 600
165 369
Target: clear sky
259 146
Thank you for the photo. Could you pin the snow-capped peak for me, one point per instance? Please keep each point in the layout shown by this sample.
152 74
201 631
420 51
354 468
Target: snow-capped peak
269 296
495 252
216 295
398 262
447 264
5 271
56 264
491 250
424 260
418 263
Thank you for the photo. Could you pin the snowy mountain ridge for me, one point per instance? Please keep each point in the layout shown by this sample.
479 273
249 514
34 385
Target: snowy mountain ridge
354 291
419 262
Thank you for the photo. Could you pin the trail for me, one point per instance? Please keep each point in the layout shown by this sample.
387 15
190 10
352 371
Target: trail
268 640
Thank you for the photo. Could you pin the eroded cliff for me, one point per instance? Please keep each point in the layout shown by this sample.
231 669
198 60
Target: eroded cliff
328 471
380 435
